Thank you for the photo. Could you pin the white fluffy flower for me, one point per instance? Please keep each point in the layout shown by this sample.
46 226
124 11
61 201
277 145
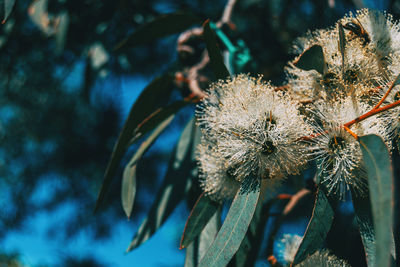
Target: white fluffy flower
390 119
362 68
253 128
337 152
216 179
287 247
380 33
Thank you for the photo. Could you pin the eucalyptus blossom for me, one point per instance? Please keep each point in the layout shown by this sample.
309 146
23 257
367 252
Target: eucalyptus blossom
336 149
216 179
254 128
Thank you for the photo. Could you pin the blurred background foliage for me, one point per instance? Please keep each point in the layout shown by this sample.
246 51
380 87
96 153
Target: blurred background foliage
62 106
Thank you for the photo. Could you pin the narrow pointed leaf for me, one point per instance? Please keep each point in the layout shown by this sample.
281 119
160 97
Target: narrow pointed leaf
363 216
195 251
61 33
380 178
128 189
216 60
40 16
342 44
249 249
8 6
312 59
233 230
317 229
156 117
200 215
147 102
176 184
161 26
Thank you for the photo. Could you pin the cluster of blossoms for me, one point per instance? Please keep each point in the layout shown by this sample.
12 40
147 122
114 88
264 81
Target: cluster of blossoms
253 130
250 131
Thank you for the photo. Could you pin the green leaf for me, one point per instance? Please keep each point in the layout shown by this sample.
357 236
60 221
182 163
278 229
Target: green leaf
312 59
128 189
248 251
234 228
195 251
250 246
342 44
363 216
40 16
8 6
317 229
216 60
200 215
241 59
380 177
148 101
156 117
61 32
176 184
162 26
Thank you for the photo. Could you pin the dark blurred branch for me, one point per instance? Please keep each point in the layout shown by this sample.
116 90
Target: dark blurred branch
190 75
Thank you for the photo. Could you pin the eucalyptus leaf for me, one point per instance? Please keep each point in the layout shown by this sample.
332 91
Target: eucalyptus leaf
161 26
128 189
317 229
40 16
61 32
363 216
342 44
196 249
234 228
251 243
156 117
178 179
216 59
200 215
8 6
312 59
148 101
380 177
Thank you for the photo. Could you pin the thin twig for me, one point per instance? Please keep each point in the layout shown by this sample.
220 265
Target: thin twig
387 93
227 15
294 200
371 113
191 74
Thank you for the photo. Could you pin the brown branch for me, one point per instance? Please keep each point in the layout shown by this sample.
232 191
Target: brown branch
387 93
372 112
191 74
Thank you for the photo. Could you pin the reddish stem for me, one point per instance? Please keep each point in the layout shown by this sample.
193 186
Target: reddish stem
386 94
372 112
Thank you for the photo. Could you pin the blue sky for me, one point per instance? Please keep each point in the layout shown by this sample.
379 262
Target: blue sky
36 247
